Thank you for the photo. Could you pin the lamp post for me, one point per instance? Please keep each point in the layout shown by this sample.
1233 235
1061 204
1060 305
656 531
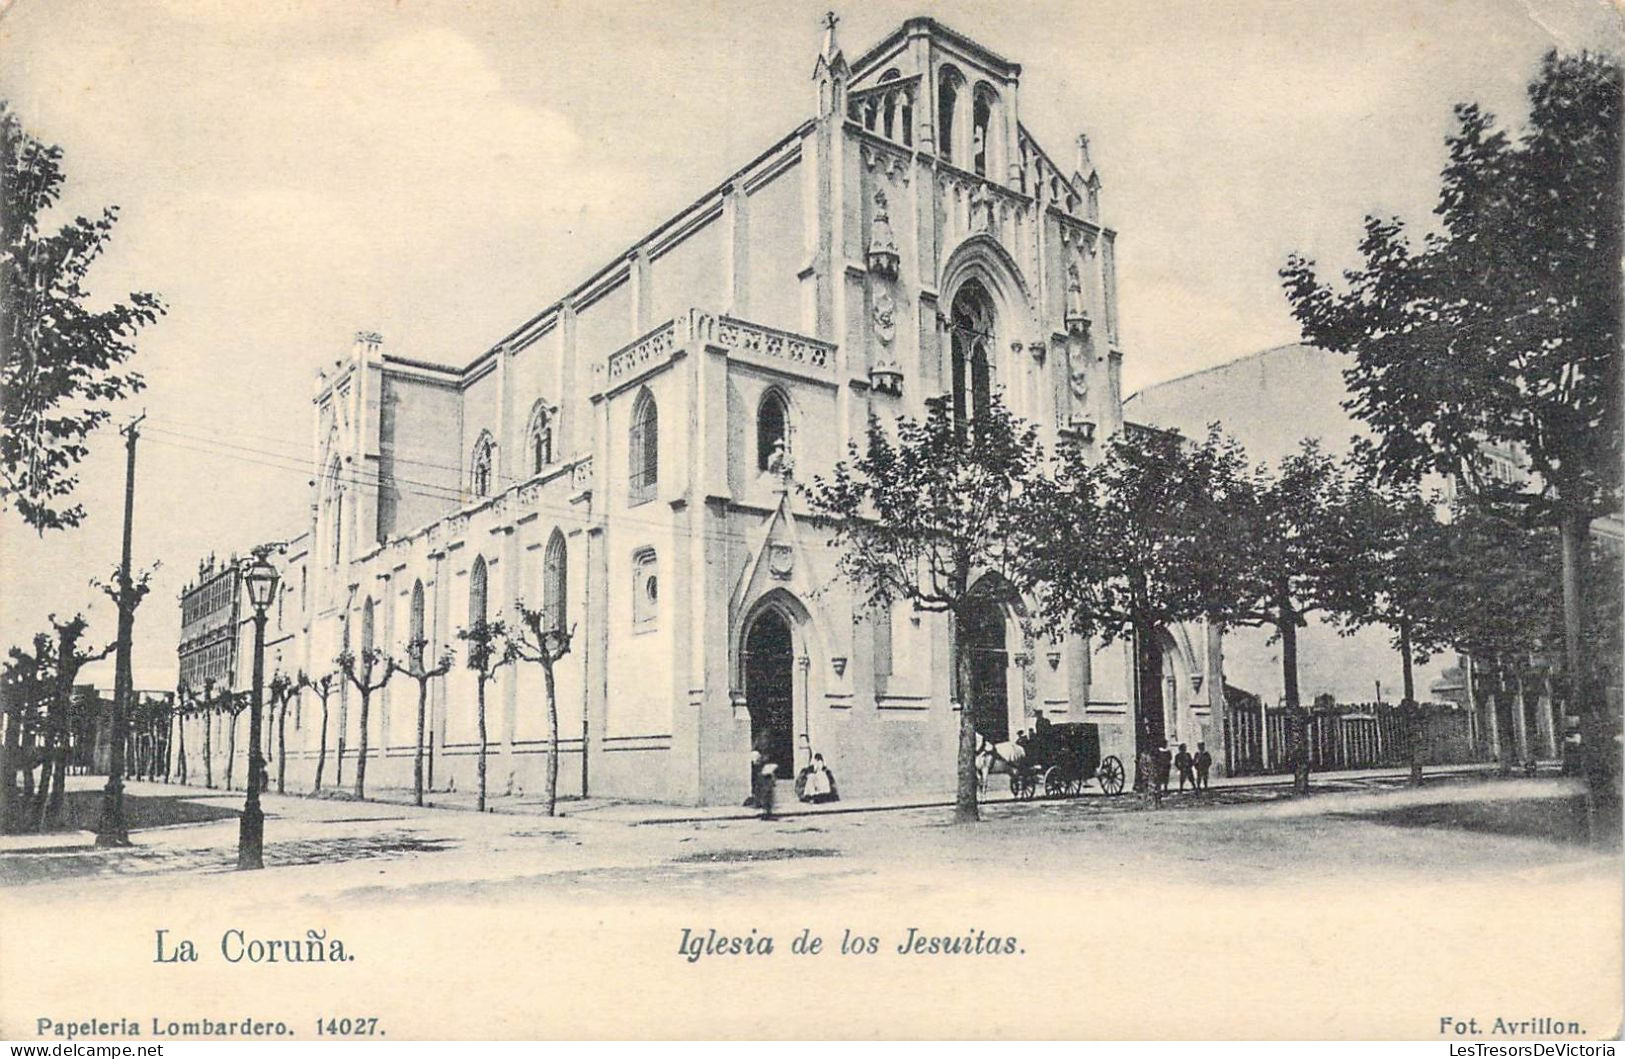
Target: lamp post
261 579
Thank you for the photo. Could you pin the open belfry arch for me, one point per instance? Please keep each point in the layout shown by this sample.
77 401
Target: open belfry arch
629 457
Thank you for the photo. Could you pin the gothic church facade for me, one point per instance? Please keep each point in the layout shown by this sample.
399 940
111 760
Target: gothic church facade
627 458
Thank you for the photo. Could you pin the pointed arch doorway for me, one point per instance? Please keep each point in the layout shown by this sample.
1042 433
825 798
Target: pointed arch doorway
984 633
770 688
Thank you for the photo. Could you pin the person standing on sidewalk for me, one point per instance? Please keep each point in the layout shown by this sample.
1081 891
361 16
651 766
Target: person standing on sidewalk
1184 763
1204 762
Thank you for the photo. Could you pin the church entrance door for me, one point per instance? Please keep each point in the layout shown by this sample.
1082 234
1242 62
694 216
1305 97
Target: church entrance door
770 689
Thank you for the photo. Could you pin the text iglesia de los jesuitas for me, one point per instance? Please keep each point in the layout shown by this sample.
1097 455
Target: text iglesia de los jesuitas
627 459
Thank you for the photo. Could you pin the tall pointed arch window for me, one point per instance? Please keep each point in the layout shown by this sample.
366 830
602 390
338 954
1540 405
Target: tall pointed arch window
983 128
972 327
555 580
367 627
950 85
643 470
482 465
477 602
539 438
772 430
414 621
335 511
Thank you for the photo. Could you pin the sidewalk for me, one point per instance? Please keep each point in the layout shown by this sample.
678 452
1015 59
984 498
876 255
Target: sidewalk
641 813
384 802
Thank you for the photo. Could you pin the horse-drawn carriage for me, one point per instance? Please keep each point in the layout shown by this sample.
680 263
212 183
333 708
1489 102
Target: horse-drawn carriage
1057 759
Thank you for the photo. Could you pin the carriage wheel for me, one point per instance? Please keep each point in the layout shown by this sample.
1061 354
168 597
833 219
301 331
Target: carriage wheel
1077 786
1054 782
1111 775
1028 785
1015 784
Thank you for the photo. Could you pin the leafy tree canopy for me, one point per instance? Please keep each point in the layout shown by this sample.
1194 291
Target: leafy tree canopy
1504 325
61 362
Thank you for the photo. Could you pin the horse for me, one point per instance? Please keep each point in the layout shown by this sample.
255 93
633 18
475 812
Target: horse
996 757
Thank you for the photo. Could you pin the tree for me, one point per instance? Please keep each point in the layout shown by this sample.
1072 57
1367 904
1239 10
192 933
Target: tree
323 687
1504 604
26 684
489 649
126 592
1118 546
925 518
415 668
230 705
283 690
541 638
1284 554
1504 327
206 709
1398 582
358 669
185 709
61 362
68 659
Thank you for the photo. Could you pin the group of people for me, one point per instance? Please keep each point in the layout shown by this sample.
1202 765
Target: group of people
1157 765
814 784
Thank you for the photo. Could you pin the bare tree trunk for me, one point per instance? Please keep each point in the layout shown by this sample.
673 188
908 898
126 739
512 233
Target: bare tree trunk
180 738
361 755
417 759
321 754
1297 722
552 733
966 810
1415 721
282 747
231 748
480 804
208 750
1597 753
40 810
9 756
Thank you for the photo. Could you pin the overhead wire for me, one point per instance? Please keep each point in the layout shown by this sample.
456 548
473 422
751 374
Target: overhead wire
429 490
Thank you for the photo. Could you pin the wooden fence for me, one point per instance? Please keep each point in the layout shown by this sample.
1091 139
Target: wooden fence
1348 736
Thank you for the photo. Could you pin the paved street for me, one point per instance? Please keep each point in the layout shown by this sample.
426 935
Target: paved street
1471 821
1121 915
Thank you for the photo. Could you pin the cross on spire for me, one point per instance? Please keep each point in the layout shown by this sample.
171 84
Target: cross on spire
831 49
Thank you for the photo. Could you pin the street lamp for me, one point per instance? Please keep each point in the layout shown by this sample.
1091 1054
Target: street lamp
261 578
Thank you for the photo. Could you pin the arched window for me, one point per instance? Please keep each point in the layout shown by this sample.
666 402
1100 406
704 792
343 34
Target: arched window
772 429
972 329
476 593
481 465
982 128
643 471
555 579
539 437
415 623
645 589
896 101
335 511
367 627
949 83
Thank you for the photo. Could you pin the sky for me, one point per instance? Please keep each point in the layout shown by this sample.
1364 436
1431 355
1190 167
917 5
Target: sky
291 172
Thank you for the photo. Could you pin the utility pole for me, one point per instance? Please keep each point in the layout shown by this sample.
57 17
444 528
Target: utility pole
111 830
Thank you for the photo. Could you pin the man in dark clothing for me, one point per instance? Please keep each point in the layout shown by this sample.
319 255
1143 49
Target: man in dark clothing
1204 762
1185 764
1164 761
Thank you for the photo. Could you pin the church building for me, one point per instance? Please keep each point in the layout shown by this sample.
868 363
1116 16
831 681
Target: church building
627 459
